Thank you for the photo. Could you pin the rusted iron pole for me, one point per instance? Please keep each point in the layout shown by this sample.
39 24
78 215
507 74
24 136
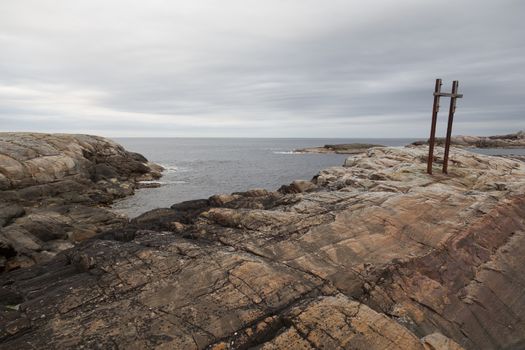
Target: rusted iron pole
432 140
451 111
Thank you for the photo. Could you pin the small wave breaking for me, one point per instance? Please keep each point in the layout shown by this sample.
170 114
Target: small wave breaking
169 168
284 152
169 182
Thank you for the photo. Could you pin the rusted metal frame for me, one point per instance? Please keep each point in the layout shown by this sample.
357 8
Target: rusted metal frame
448 94
451 111
432 140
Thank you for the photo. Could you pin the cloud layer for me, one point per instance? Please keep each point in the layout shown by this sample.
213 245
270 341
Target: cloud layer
274 68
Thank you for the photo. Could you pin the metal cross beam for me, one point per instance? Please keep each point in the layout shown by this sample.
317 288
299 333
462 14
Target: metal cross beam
435 109
446 94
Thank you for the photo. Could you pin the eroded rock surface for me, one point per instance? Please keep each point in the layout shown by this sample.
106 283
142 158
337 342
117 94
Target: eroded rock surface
53 188
372 255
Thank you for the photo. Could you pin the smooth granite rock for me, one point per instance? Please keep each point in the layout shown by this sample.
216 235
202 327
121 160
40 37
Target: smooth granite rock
372 255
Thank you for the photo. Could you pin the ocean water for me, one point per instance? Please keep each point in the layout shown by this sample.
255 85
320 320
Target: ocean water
201 167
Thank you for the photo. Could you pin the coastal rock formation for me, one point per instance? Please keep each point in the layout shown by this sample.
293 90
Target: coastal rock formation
343 148
375 254
516 140
52 187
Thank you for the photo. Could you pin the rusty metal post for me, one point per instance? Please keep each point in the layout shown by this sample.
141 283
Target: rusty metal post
432 140
451 111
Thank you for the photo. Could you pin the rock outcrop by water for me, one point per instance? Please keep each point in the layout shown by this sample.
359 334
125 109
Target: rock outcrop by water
372 255
53 191
516 140
343 148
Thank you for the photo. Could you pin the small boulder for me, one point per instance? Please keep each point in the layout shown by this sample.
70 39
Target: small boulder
219 200
298 186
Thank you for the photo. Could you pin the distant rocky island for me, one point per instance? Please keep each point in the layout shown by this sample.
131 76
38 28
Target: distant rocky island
516 140
374 254
344 148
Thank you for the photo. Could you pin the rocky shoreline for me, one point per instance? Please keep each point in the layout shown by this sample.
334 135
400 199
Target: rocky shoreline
55 190
374 254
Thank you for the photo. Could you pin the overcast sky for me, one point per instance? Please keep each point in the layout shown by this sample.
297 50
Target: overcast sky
259 68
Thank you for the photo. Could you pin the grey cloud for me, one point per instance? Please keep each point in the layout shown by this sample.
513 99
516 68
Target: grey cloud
297 68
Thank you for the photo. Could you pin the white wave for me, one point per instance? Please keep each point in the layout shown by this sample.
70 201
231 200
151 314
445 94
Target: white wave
169 182
175 182
284 152
169 168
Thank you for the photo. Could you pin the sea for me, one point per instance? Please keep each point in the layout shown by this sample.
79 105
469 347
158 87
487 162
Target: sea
201 167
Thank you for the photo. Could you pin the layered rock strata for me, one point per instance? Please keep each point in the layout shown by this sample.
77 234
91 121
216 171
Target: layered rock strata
372 255
54 188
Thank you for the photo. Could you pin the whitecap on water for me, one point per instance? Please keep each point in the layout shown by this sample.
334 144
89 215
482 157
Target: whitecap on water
169 182
284 152
169 168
